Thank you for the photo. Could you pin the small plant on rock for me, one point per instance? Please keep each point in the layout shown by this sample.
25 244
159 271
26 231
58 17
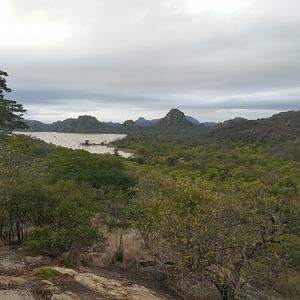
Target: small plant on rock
46 273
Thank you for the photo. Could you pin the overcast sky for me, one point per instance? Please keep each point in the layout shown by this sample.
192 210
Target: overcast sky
121 59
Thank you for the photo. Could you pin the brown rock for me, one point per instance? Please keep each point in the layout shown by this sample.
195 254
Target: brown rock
106 287
65 271
141 293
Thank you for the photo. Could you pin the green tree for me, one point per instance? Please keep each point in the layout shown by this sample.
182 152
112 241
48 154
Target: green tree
11 112
3 87
100 171
61 216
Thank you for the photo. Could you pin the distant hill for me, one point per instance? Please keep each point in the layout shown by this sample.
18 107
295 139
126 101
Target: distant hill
142 122
281 131
192 120
37 126
129 126
179 128
279 128
175 127
112 124
175 119
83 124
89 124
209 124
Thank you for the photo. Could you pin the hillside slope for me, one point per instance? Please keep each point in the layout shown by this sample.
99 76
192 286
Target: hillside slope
279 128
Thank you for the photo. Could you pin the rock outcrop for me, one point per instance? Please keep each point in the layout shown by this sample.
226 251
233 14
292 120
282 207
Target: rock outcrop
104 287
173 120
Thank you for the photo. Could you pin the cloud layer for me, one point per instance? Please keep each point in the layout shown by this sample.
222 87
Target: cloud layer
122 59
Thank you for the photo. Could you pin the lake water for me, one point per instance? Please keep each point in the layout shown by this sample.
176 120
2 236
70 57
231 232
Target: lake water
74 141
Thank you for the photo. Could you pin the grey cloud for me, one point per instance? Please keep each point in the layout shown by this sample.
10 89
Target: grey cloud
279 100
154 55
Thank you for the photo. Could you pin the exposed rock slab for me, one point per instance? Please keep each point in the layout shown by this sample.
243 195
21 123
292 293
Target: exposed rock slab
106 287
65 271
138 292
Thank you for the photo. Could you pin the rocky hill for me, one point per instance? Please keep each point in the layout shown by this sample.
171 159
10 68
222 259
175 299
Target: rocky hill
175 119
83 124
178 127
37 126
142 122
88 124
279 128
175 127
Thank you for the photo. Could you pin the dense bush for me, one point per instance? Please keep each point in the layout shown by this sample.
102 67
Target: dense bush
62 222
49 200
100 171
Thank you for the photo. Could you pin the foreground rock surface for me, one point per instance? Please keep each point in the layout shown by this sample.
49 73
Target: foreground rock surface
73 285
105 288
18 280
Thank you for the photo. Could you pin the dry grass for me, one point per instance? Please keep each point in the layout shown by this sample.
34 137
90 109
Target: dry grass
132 246
10 265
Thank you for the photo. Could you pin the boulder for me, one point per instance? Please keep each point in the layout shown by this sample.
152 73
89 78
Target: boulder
65 271
107 287
138 292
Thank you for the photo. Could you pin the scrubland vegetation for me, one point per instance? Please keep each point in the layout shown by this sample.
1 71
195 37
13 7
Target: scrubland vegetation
230 216
226 213
222 213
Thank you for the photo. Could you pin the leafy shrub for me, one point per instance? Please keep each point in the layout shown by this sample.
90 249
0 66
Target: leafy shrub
65 261
63 220
100 171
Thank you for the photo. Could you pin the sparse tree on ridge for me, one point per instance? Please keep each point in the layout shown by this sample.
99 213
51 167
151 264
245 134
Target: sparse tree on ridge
10 111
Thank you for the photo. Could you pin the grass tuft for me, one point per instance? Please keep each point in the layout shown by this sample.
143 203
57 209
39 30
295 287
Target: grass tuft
46 273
